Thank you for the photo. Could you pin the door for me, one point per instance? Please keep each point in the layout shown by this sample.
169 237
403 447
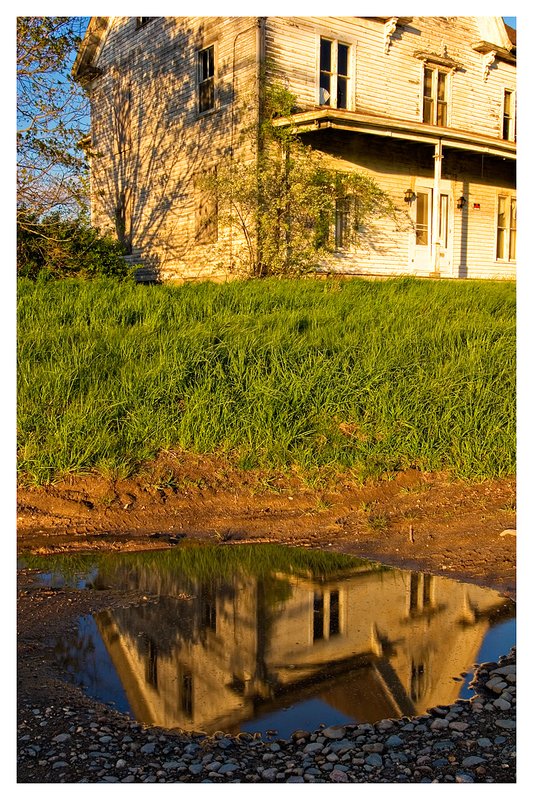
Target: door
422 253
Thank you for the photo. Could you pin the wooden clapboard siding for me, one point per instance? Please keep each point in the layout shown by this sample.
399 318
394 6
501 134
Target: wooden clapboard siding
390 83
152 143
170 142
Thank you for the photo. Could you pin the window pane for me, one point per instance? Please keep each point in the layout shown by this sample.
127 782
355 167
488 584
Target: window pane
503 206
512 245
500 244
422 218
443 231
428 82
428 110
342 92
441 113
325 89
325 55
342 60
507 103
441 86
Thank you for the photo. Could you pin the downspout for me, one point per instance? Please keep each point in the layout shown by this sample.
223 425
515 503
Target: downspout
435 233
255 25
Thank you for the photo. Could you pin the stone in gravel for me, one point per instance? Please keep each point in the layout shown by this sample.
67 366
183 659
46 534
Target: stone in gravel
507 724
269 774
300 735
128 779
458 726
295 779
59 764
338 776
334 733
120 764
374 760
393 741
464 777
496 685
171 764
484 742
62 737
225 768
373 747
195 769
439 724
472 761
148 748
313 747
503 705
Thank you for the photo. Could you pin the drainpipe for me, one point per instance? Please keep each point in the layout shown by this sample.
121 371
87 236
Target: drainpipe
435 233
258 26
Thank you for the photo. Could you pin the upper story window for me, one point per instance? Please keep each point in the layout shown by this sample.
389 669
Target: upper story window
335 80
142 21
435 105
509 115
206 79
506 228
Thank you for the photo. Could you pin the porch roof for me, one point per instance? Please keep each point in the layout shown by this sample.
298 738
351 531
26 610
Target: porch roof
339 119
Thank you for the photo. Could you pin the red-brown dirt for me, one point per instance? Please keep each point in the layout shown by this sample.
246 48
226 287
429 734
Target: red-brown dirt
420 521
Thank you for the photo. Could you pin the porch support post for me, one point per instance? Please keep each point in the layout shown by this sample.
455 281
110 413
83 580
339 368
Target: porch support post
435 237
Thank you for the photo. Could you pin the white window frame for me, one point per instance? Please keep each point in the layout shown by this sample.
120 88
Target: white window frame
200 50
512 117
506 258
334 74
436 70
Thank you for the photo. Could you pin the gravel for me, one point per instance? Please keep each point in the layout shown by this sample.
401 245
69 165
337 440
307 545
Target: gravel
471 741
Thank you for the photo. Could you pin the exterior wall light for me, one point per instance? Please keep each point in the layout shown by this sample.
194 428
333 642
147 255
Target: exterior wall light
461 203
409 196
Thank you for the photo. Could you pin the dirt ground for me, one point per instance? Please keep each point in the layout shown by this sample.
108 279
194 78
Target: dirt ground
414 520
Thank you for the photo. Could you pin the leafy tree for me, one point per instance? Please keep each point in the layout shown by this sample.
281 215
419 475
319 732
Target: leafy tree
52 117
287 201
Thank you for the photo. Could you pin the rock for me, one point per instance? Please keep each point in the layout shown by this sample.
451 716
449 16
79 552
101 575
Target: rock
374 760
472 761
507 724
313 747
148 748
61 737
338 776
458 726
334 733
439 724
394 741
503 705
464 777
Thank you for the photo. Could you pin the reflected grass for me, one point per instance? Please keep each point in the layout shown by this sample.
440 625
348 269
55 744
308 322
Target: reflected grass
202 563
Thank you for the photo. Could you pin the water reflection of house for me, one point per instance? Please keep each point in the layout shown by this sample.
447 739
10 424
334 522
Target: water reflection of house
372 644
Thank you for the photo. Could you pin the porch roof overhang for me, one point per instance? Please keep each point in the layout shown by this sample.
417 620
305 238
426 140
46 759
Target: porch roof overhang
340 119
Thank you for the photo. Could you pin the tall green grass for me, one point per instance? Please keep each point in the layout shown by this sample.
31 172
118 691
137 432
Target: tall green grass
368 376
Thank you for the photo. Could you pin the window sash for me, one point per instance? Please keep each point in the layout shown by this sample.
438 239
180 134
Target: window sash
206 79
435 97
334 73
506 228
508 122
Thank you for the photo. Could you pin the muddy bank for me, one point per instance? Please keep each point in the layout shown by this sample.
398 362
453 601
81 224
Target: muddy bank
414 520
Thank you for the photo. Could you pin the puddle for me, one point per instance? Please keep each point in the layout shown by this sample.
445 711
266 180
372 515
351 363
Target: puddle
273 639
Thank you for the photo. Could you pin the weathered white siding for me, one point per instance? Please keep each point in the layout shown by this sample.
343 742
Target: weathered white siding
168 143
151 143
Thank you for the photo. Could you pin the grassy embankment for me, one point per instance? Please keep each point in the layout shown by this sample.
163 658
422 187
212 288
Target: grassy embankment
355 375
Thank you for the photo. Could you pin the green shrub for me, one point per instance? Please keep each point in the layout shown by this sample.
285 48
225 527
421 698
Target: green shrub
56 247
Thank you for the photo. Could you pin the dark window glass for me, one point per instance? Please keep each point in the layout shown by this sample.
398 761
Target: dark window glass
342 61
318 617
206 79
325 55
334 616
342 92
